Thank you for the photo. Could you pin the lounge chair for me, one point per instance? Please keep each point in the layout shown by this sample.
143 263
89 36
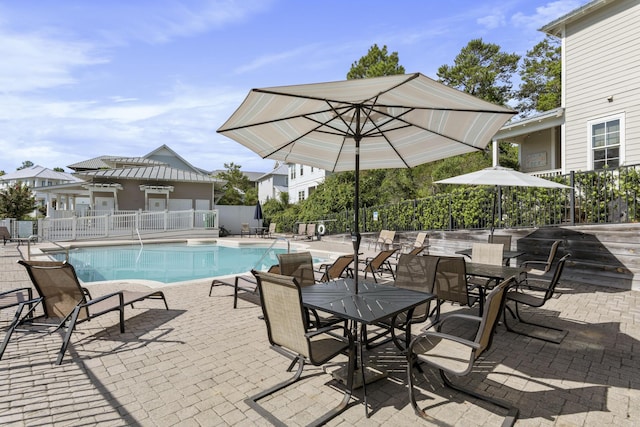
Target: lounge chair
420 244
534 296
385 238
242 283
245 229
452 354
6 237
379 264
417 273
65 303
14 297
335 270
302 231
311 231
272 229
289 335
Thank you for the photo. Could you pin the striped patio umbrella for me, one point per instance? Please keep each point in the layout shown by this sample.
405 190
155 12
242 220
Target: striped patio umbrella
397 121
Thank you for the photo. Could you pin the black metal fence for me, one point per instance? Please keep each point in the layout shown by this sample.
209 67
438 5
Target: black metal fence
596 197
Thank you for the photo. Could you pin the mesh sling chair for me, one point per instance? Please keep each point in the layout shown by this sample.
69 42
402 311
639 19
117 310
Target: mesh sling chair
288 334
379 264
299 265
504 239
534 296
451 284
422 241
417 273
65 303
537 269
334 271
454 355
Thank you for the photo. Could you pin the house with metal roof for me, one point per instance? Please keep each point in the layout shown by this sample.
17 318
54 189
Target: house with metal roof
161 180
598 123
38 178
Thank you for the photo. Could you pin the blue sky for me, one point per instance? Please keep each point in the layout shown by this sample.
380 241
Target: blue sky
80 79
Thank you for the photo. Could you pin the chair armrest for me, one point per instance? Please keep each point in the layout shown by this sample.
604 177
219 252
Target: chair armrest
444 336
28 289
119 294
246 279
531 262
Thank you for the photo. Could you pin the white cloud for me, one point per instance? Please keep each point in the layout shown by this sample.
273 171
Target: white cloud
492 21
546 14
38 61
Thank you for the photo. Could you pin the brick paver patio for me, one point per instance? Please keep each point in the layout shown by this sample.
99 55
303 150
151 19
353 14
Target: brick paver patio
195 364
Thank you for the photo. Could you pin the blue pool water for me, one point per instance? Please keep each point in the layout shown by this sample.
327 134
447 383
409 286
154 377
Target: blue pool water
167 263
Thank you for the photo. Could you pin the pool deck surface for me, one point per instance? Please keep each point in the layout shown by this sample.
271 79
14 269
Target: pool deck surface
196 363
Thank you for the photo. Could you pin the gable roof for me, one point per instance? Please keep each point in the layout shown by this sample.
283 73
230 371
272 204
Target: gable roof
282 169
38 171
167 156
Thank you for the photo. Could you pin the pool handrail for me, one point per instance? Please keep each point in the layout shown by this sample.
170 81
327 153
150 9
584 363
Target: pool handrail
270 247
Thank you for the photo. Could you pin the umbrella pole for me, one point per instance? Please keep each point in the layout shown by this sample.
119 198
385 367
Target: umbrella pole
493 212
355 235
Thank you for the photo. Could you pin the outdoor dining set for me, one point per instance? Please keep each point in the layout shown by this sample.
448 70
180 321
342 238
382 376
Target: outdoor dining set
315 313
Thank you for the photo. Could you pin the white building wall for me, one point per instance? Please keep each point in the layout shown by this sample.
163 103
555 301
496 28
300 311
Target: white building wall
601 62
303 183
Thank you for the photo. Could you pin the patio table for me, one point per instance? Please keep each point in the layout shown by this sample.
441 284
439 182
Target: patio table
507 254
373 302
494 275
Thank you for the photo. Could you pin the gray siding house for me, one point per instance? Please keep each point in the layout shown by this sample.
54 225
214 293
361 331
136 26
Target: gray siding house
598 124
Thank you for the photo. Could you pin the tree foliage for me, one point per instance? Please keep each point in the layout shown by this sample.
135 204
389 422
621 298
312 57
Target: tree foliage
541 74
482 70
16 201
376 63
25 164
238 189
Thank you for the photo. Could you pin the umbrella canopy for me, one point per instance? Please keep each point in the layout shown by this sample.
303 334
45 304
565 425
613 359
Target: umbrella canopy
385 122
499 176
258 212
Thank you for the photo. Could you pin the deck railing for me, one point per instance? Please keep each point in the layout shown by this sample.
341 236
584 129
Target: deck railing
124 224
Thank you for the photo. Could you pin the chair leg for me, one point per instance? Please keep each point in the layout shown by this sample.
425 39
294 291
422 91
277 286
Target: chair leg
252 401
67 336
516 315
14 324
512 412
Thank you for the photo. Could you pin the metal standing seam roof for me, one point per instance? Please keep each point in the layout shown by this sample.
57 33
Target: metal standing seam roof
109 162
150 173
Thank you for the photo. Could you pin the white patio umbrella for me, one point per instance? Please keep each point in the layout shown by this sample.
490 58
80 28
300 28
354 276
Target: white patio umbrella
385 122
499 176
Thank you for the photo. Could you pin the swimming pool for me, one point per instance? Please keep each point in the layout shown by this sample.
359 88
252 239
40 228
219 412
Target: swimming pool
168 263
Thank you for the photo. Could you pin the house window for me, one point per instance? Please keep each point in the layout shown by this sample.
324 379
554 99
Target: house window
606 138
293 171
300 195
301 170
311 169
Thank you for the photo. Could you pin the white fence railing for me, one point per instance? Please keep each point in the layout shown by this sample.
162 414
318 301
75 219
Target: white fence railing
125 224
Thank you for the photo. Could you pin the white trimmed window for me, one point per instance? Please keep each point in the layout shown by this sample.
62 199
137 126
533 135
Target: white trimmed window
292 169
606 142
300 195
301 170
